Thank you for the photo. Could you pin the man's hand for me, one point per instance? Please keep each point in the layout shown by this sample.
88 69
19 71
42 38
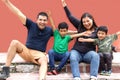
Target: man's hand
4 0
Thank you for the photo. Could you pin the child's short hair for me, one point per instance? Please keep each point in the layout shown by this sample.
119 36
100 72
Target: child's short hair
103 28
63 25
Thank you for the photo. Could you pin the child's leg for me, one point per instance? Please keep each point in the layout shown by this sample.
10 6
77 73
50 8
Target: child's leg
51 55
109 61
102 61
109 64
64 58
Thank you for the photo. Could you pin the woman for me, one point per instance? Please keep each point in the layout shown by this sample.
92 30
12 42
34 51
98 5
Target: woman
83 51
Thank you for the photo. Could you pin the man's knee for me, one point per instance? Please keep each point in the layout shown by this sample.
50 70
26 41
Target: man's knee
14 43
43 59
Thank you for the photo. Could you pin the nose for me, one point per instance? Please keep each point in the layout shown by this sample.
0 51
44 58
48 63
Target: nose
86 23
42 21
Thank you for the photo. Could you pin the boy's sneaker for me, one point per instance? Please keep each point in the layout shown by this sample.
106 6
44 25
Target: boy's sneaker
54 72
108 73
102 72
49 72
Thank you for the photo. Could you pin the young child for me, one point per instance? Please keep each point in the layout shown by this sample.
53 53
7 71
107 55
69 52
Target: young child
104 43
59 52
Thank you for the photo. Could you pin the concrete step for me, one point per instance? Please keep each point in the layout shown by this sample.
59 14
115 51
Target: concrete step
62 76
20 66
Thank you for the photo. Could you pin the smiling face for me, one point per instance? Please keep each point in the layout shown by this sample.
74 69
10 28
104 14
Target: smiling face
101 35
42 21
87 23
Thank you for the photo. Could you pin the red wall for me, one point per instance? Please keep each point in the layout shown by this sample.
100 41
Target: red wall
105 12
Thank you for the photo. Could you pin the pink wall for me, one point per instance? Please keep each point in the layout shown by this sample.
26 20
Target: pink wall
105 12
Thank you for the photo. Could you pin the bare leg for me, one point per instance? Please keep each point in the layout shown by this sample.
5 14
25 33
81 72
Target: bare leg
14 47
43 67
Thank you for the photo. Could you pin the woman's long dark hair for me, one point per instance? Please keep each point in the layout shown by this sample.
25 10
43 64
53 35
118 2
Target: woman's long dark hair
81 27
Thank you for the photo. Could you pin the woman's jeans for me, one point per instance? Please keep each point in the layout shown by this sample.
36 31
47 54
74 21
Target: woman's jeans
54 56
90 57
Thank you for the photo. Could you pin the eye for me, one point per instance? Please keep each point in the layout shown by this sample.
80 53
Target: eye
40 19
45 20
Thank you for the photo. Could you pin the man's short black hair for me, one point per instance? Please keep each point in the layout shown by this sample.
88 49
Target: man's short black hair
42 14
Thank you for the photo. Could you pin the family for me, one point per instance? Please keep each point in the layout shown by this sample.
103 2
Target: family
88 35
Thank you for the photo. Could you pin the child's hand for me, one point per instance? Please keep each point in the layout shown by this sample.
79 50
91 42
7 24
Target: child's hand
48 13
117 49
81 39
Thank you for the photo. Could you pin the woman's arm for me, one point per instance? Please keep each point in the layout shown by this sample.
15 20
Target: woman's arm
71 18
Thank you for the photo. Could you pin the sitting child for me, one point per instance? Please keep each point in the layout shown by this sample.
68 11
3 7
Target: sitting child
60 52
104 44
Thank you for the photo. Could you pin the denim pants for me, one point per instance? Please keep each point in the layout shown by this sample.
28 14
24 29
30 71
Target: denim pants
90 57
54 56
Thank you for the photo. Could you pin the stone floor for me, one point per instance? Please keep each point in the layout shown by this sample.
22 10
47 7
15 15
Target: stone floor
62 76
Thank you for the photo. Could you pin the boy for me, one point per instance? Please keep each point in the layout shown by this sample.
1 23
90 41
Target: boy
104 44
59 52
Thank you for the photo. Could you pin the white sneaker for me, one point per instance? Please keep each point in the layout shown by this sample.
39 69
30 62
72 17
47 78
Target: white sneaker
77 78
93 78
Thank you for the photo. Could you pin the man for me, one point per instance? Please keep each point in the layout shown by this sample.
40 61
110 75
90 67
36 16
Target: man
34 50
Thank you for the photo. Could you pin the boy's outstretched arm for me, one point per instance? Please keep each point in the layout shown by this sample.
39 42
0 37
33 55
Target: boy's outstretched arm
80 34
51 20
118 33
70 32
15 10
86 40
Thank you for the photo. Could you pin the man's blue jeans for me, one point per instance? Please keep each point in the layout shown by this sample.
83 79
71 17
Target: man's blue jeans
54 56
90 57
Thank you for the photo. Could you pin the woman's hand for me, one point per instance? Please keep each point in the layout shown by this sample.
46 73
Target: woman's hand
63 3
86 33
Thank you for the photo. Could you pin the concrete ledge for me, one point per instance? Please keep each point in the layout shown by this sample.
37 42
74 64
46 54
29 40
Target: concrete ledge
20 65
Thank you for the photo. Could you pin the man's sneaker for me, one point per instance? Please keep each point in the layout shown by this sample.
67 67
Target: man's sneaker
102 72
108 73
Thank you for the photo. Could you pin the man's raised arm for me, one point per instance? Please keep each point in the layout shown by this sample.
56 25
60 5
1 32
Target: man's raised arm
15 10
